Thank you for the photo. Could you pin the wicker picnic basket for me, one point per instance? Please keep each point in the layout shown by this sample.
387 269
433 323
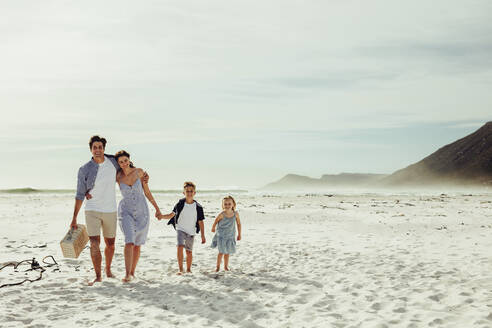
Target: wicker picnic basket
74 242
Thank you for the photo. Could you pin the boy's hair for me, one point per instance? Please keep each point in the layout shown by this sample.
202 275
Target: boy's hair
233 202
189 184
97 139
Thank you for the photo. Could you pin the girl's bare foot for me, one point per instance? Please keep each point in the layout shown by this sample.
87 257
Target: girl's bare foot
98 279
127 279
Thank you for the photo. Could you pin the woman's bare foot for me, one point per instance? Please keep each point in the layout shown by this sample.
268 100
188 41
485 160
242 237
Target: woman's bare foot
98 279
127 279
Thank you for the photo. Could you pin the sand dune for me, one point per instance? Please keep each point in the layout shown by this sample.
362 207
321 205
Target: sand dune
370 260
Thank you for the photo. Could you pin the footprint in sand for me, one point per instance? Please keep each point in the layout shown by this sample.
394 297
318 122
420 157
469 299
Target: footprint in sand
436 322
376 306
400 310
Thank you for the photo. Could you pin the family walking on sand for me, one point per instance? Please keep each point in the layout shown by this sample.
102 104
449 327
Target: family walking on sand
95 182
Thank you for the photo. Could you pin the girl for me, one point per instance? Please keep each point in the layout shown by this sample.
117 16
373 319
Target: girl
224 239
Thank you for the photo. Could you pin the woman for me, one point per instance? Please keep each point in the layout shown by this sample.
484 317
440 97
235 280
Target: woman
133 211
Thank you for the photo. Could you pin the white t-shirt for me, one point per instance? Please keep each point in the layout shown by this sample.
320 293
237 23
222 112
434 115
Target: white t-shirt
187 219
104 192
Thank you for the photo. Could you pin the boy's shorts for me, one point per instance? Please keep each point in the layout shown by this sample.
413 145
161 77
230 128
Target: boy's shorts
185 240
95 220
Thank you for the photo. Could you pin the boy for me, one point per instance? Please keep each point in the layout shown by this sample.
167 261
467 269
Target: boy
186 217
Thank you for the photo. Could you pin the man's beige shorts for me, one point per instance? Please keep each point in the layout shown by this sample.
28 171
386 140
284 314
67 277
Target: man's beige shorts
95 220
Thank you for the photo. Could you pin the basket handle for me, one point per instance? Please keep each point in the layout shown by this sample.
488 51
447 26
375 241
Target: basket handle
70 233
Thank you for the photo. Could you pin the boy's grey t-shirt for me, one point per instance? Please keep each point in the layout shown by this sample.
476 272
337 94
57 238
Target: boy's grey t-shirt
187 219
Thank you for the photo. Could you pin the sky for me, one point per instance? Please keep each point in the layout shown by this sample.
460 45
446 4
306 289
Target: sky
238 94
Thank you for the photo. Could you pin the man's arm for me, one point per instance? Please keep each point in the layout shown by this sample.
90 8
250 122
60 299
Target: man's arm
79 196
76 209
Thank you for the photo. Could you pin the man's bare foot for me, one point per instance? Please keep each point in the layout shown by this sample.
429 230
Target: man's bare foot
98 279
127 279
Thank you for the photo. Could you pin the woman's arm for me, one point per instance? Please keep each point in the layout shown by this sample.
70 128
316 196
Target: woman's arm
238 221
217 220
148 194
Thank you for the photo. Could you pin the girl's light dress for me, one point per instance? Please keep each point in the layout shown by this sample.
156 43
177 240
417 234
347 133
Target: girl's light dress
225 237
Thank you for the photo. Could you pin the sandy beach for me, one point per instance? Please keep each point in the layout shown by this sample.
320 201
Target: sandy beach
306 260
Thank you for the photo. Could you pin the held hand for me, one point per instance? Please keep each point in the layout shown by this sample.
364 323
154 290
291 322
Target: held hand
73 225
213 229
158 214
88 196
203 240
238 237
146 177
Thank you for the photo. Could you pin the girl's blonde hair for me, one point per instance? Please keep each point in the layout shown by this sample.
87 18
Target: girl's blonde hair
233 202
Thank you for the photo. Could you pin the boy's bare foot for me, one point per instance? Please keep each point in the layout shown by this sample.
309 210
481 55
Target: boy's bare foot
127 279
98 279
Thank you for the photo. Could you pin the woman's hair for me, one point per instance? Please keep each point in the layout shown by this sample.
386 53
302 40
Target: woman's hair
233 202
122 153
97 139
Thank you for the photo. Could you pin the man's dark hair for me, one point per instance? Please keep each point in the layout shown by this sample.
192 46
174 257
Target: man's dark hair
97 139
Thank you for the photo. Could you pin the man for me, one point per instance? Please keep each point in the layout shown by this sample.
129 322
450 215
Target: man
98 176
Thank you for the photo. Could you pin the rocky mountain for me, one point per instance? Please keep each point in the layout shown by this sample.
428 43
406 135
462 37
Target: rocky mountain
467 161
293 181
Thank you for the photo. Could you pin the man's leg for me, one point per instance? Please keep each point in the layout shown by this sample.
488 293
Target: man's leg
180 258
93 222
189 259
96 257
136 256
109 232
108 255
